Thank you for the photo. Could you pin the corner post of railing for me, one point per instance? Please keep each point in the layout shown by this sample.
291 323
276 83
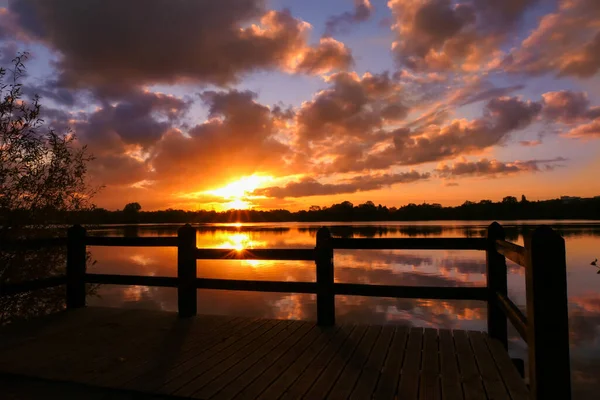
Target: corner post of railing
496 283
325 292
76 260
547 315
186 271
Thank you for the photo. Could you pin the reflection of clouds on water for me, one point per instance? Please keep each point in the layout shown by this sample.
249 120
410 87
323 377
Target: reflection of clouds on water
142 260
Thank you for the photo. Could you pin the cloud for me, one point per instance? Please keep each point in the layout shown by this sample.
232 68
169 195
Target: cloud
530 143
327 56
140 118
591 130
565 106
214 42
351 106
572 109
50 89
441 35
487 94
501 117
342 22
485 167
565 42
362 183
238 139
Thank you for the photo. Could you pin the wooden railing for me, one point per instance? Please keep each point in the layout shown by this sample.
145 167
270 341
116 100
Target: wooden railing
544 328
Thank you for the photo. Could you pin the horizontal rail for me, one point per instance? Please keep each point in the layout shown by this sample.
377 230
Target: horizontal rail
34 243
410 243
513 252
351 289
134 280
256 254
257 286
28 286
514 314
412 292
131 241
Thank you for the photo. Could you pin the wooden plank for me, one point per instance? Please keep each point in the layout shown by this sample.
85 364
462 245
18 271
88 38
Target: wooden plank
256 254
512 251
327 340
412 292
257 286
330 374
79 325
316 367
166 241
471 380
352 370
156 353
408 387
410 243
158 374
450 377
390 374
487 367
54 324
430 367
133 280
227 385
512 380
276 369
194 366
98 345
372 369
430 362
205 372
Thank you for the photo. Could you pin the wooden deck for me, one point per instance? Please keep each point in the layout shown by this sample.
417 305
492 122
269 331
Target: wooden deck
115 353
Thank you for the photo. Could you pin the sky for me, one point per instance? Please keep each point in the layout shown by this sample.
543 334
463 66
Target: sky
272 104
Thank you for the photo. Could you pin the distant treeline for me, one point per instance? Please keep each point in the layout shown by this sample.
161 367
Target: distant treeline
507 209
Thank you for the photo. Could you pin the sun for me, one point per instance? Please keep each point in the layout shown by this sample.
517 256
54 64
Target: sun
239 192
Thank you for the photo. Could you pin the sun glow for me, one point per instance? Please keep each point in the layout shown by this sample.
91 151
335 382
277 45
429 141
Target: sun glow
240 192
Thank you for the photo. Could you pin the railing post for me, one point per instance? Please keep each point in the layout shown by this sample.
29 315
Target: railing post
547 315
496 283
76 259
186 271
325 294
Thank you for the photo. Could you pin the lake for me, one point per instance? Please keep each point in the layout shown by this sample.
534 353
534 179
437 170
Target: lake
402 267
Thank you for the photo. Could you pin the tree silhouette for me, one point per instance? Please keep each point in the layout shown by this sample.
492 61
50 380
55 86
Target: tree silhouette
42 179
132 208
131 212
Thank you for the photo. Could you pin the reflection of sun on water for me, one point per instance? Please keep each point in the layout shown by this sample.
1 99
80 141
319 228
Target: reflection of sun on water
241 241
238 241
